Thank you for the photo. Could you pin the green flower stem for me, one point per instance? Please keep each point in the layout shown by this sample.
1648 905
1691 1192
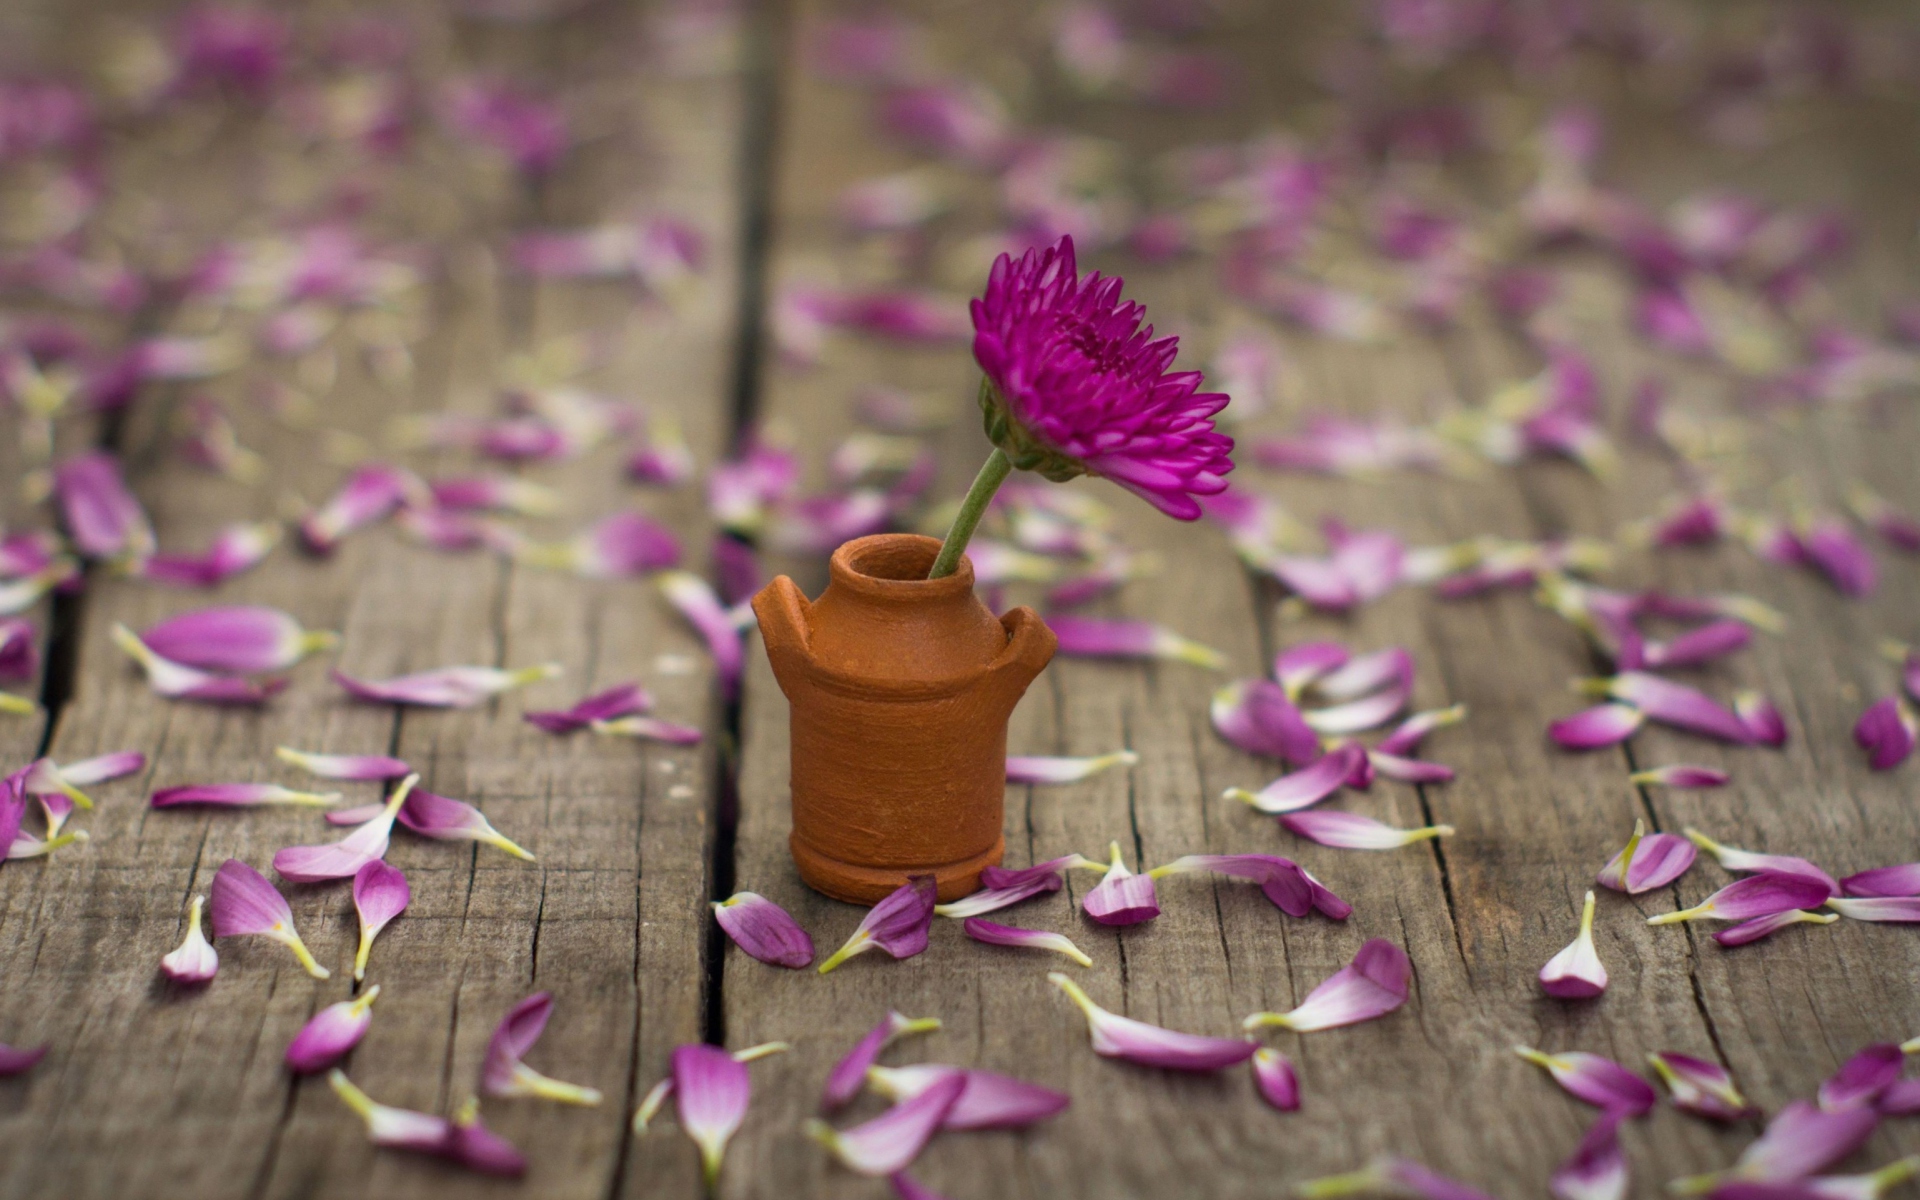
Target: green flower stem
992 474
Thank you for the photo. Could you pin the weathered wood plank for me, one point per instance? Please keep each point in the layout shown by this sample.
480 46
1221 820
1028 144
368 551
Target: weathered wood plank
1534 825
1785 1012
609 919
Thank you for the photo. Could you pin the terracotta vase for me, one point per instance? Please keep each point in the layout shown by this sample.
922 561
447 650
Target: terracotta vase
901 687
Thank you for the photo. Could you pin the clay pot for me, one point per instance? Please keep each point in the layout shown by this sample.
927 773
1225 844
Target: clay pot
901 687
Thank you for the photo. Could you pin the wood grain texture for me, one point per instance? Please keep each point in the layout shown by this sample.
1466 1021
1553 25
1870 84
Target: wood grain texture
610 919
1479 913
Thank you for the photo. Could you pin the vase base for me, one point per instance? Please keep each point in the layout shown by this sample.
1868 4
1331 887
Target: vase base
869 885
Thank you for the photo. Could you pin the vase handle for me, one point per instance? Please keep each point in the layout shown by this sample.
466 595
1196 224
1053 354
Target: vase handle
1030 647
786 622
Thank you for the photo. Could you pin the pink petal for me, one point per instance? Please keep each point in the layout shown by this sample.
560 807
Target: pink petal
360 767
1597 1170
1887 733
764 930
624 700
898 925
1682 707
989 1100
1767 926
1682 775
19 649
244 902
448 687
235 640
996 934
448 820
1760 895
1903 910
1604 725
194 960
1003 877
1700 1087
711 1091
1281 879
1121 897
19 1062
1862 1078
697 602
1599 1081
380 893
1903 880
1408 736
1372 985
1576 973
177 681
370 494
1307 786
849 1075
1115 1036
100 513
332 1032
1747 860
1274 1078
890 1142
1697 646
1357 716
1046 769
1257 716
1763 721
236 795
1350 831
1298 667
1802 1140
994 899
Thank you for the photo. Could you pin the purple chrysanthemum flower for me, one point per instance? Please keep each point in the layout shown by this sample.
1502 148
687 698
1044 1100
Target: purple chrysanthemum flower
1074 385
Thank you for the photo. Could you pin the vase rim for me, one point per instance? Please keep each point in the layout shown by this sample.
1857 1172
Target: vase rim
893 566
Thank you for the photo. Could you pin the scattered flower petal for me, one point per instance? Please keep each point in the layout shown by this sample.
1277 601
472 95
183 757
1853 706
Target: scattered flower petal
1350 831
344 858
996 934
849 1075
1576 973
243 903
898 925
1702 1088
448 687
361 767
380 893
194 960
503 1074
238 795
622 701
764 930
1044 769
890 1142
1372 985
177 681
1599 1081
1115 1036
1274 1079
332 1032
989 1101
235 640
1121 897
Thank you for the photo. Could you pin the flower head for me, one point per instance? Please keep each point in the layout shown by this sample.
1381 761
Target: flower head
1075 385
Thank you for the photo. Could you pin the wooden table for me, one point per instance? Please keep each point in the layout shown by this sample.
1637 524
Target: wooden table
151 1092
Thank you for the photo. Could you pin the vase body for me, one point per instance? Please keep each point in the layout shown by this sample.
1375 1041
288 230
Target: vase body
900 688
